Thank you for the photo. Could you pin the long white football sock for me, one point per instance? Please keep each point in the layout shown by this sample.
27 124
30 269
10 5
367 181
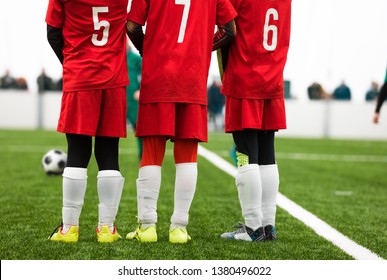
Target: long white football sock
185 186
74 184
109 184
270 187
248 182
148 188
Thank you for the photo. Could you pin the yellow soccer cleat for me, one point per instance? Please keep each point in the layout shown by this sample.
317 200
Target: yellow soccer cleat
178 235
148 234
104 235
70 236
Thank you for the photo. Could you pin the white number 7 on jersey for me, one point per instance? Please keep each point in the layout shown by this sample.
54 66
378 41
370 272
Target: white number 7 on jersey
183 25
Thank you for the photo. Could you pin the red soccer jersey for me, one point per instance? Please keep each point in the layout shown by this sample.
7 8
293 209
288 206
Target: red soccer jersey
257 57
177 47
94 42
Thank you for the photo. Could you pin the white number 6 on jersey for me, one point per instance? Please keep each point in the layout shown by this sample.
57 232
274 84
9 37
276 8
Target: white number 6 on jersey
270 28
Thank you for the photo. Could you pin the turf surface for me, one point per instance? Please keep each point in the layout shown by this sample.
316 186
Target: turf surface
342 182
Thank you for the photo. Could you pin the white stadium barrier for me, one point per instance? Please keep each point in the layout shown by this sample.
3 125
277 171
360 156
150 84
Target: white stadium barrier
310 119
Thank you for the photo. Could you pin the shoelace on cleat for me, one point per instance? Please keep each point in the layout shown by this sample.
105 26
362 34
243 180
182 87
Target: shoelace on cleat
242 229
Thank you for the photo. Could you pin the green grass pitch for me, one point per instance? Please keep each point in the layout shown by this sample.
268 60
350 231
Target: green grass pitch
342 182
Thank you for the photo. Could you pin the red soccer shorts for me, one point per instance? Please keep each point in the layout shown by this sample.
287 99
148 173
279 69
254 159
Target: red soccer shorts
259 114
173 120
94 112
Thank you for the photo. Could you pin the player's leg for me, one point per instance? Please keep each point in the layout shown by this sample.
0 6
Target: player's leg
148 186
149 179
248 182
79 121
243 118
155 124
274 118
74 184
270 181
75 177
185 155
191 127
110 184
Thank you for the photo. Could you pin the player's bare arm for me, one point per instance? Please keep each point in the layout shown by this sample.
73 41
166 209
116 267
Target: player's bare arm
55 39
136 34
379 103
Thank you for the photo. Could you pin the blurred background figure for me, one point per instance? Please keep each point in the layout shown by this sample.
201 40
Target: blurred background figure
382 96
287 93
316 92
133 91
373 92
216 102
58 85
7 81
342 92
44 82
21 83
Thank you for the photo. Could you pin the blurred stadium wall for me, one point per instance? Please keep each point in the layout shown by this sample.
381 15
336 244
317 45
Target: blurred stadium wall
309 119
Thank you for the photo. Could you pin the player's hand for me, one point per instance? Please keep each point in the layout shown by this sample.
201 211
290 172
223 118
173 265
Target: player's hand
376 118
136 95
219 34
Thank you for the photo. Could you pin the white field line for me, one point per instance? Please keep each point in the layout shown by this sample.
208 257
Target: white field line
324 157
319 226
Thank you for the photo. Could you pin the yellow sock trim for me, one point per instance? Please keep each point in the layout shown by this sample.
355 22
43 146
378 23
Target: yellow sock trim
242 159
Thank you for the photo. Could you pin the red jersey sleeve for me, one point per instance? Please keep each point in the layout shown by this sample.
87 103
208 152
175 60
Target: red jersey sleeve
55 14
225 12
139 11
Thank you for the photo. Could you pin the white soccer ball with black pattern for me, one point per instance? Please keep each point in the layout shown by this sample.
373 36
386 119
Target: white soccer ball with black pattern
54 162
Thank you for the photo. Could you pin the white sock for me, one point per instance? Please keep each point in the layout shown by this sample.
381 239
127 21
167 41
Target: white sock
74 184
270 186
148 188
109 184
185 186
248 182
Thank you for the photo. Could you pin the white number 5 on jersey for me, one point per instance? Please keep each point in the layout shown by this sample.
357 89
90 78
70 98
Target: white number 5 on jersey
100 24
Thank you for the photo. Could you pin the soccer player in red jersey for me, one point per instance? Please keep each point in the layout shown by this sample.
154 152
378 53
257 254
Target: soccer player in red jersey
89 39
254 88
176 51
